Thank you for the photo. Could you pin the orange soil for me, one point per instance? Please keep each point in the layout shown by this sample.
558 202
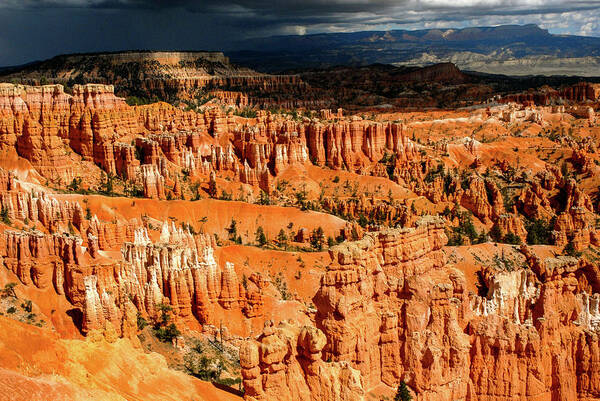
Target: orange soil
37 365
302 284
48 306
218 213
302 270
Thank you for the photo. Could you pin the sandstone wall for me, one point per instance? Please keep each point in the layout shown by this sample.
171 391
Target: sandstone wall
74 256
392 308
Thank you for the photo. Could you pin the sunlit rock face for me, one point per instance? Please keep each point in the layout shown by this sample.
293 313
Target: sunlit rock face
392 308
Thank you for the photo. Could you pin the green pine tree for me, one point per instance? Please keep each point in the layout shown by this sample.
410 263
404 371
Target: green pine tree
403 394
282 239
261 238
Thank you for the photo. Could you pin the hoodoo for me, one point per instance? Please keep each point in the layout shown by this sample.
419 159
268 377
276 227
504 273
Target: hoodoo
354 216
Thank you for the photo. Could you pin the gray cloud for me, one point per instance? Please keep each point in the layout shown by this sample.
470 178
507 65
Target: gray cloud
37 29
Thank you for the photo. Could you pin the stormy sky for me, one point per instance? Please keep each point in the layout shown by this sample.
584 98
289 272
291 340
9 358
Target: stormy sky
38 29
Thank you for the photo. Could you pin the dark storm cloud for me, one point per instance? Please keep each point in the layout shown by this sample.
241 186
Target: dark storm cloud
275 16
36 29
319 6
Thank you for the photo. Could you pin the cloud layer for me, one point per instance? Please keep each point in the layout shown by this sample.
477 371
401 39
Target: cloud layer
37 29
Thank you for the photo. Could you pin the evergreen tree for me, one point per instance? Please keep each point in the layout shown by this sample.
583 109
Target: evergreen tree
108 186
282 238
212 186
496 233
570 250
264 199
75 184
4 216
539 232
164 330
403 394
261 238
317 239
362 220
564 169
330 242
232 230
512 238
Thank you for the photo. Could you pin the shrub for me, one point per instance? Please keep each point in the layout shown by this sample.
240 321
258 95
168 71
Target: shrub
390 161
229 381
281 285
330 241
198 366
354 234
496 233
282 185
431 174
107 187
466 228
27 306
362 220
482 238
202 98
507 198
137 101
455 239
301 199
202 367
8 290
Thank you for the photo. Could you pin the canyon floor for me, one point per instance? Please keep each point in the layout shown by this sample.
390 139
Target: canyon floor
211 249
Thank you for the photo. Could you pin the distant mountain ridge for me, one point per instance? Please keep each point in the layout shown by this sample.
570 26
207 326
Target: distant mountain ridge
151 75
131 64
496 50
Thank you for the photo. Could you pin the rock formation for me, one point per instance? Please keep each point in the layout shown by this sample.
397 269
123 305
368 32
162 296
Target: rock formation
393 309
167 75
179 269
44 125
511 224
579 92
285 363
393 303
